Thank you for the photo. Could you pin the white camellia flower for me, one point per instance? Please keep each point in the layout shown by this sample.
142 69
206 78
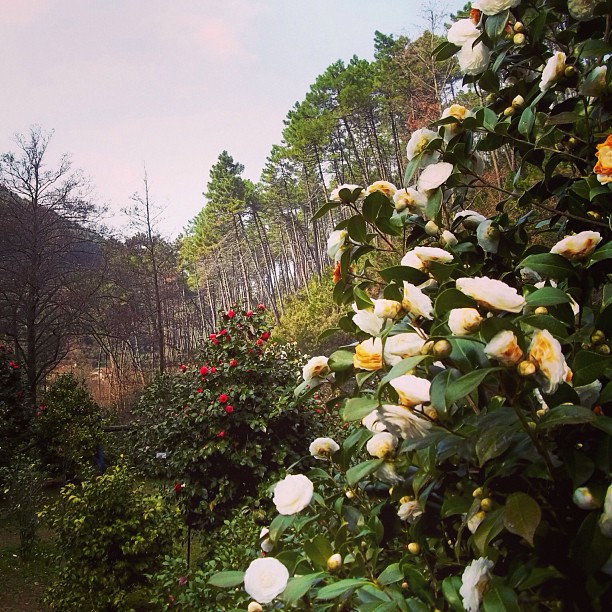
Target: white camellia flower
595 83
577 247
403 422
427 254
463 321
474 581
410 198
334 196
372 423
416 302
410 511
316 368
433 176
387 472
488 236
265 579
368 322
335 243
368 355
459 112
462 31
400 346
555 67
504 348
323 448
605 520
381 445
384 187
492 293
474 59
417 144
492 7
584 499
265 543
412 390
470 218
292 494
545 351
448 238
387 309
412 260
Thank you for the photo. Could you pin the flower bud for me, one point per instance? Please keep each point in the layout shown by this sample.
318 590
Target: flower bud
491 98
526 368
598 337
584 499
349 494
541 310
603 349
414 548
569 72
519 39
519 27
405 586
427 347
431 229
254 607
486 504
509 111
334 563
478 492
518 102
431 412
474 522
594 215
541 412
442 349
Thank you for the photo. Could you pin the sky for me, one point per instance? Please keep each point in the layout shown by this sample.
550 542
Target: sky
169 84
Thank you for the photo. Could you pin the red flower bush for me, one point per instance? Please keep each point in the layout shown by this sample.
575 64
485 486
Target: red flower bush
223 398
233 363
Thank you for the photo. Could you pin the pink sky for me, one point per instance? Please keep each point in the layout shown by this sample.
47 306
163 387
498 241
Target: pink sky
172 83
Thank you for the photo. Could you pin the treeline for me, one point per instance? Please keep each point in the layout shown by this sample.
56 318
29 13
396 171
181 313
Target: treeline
122 309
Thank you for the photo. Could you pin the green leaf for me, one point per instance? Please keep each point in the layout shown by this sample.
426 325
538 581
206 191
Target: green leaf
411 168
553 325
450 589
361 470
522 516
500 598
403 273
357 229
489 529
280 523
495 24
318 550
434 202
563 118
298 587
455 505
566 415
589 366
526 122
325 209
547 296
405 365
445 51
466 384
493 442
327 333
340 360
439 385
227 579
362 299
452 298
550 265
356 408
331 591
604 252
390 574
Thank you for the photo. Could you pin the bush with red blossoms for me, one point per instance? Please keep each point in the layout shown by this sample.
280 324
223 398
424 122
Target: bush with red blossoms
228 426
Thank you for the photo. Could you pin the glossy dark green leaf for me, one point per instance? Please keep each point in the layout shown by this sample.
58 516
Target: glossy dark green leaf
496 24
337 589
298 587
500 598
340 360
452 298
356 408
403 273
550 265
392 573
566 415
318 550
466 384
488 530
227 579
589 366
325 209
522 516
547 296
356 228
405 365
526 122
362 470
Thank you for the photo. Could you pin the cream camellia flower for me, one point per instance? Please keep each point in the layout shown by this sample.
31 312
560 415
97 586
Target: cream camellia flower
459 112
463 321
595 83
433 176
474 58
605 520
412 390
400 346
504 348
292 494
410 511
265 542
316 368
584 499
555 67
413 260
403 422
416 302
368 322
474 582
385 187
387 472
492 7
578 246
387 309
417 144
462 31
429 254
545 352
382 445
254 607
335 243
488 236
265 579
470 218
323 448
492 293
368 355
372 422
448 239
410 198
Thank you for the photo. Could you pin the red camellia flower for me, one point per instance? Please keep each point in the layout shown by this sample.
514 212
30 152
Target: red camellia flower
213 336
229 409
231 314
259 342
249 313
265 335
223 332
183 367
177 487
233 363
200 390
261 307
223 398
14 365
203 371
220 434
213 370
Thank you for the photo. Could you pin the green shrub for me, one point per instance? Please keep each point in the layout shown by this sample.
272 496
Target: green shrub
110 535
229 421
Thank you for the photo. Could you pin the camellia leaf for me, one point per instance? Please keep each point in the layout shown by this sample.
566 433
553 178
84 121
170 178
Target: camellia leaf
526 122
452 298
566 415
340 360
318 550
298 587
358 407
490 528
450 589
336 589
550 265
405 365
361 470
522 516
547 296
226 579
325 209
466 384
604 252
390 574
496 24
588 366
280 523
500 598
403 273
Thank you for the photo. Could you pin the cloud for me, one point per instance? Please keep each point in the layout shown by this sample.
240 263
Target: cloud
19 14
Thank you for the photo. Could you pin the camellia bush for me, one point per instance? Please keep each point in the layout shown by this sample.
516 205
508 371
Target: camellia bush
477 474
220 427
